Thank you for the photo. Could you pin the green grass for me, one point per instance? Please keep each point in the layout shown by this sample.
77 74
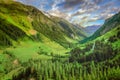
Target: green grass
49 46
105 38
27 18
28 50
109 33
10 74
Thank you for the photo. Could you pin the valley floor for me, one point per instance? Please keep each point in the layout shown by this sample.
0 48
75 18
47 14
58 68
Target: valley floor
38 61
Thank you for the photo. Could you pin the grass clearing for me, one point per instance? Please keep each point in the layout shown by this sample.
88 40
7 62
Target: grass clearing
30 50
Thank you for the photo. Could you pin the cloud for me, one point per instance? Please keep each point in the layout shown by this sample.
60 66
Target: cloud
78 11
98 10
86 7
57 13
93 6
115 9
84 18
98 1
71 3
55 9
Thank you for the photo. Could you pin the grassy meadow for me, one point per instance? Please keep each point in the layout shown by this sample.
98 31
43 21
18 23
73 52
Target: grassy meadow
36 47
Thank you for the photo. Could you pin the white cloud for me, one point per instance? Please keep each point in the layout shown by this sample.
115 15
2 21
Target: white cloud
78 11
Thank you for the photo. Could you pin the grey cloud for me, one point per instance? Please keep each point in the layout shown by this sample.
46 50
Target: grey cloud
72 3
98 1
80 12
103 11
78 9
115 9
84 18
107 5
69 5
87 7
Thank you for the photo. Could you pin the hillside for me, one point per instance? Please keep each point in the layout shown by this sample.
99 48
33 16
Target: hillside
37 46
76 32
20 22
105 41
109 24
103 48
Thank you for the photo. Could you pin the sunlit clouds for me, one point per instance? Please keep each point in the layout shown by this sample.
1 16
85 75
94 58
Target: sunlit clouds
83 12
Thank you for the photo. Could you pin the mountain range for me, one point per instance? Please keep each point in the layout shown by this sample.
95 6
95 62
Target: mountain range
91 29
35 45
27 22
108 26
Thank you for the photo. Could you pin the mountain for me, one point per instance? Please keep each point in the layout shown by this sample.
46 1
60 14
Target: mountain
19 22
103 46
38 47
70 29
109 24
91 29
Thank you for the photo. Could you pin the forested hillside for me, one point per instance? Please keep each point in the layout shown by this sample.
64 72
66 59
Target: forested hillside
35 46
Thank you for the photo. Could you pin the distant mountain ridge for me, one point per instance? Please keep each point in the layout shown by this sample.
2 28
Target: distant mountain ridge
109 24
91 29
20 22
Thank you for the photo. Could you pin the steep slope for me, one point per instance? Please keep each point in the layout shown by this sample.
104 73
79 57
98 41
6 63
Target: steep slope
107 43
71 30
9 32
21 22
104 49
109 24
113 36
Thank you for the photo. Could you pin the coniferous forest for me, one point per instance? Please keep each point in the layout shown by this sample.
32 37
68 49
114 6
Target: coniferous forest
69 40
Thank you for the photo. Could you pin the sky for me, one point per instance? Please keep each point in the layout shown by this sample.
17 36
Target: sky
82 12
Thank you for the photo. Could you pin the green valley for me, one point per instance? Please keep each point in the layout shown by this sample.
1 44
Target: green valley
34 46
